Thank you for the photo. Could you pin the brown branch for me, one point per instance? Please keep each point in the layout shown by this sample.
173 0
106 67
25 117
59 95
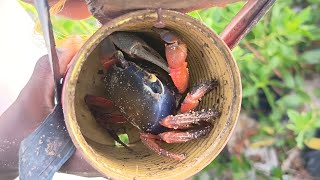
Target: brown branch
257 54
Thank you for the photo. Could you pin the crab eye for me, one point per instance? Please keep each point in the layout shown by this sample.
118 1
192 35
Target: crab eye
152 82
156 87
152 78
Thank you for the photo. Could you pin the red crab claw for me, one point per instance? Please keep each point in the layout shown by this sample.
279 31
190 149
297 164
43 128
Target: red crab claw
135 47
176 54
98 101
191 101
105 119
109 55
107 52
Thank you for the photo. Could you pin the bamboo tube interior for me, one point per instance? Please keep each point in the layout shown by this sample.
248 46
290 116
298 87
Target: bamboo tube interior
208 58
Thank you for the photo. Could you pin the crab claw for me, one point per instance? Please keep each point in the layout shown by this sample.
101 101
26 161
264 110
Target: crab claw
135 47
107 53
176 54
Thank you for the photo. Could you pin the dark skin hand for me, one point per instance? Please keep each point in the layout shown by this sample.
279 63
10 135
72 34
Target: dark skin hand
35 101
32 106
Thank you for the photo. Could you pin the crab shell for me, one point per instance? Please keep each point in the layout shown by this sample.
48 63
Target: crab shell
208 58
123 88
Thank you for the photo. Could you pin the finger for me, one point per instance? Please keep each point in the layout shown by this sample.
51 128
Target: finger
73 9
67 49
41 83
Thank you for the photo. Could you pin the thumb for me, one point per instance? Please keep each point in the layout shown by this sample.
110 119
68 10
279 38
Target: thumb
68 48
41 82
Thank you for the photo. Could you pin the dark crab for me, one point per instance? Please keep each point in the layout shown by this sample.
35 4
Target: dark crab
146 95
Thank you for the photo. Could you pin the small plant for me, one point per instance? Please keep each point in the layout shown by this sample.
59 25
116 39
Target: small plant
273 60
225 168
303 125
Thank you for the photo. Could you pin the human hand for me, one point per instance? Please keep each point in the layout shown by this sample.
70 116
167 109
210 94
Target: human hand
43 76
72 9
34 103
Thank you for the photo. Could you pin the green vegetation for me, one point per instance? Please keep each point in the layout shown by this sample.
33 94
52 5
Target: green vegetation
276 56
62 27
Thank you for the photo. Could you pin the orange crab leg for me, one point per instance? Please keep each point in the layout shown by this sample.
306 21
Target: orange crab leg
185 136
191 101
149 140
189 119
176 55
180 77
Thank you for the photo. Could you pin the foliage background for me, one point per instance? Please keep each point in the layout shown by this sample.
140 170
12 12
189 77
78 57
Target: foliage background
276 59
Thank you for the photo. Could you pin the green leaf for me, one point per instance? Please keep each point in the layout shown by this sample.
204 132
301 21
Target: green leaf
124 138
259 30
291 127
304 15
304 96
300 140
288 79
307 116
277 172
249 91
293 115
314 1
312 56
